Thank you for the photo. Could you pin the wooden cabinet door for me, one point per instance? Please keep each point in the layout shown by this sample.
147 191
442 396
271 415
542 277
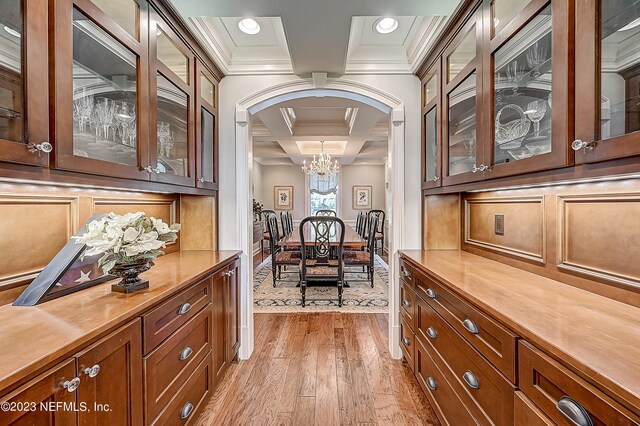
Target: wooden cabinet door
608 112
24 106
206 116
232 324
111 379
219 328
45 390
431 127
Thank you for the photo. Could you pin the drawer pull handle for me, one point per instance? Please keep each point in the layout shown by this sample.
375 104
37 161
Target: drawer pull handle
432 333
406 303
92 371
184 308
431 293
405 341
470 326
406 273
186 411
185 353
71 385
431 383
574 412
470 379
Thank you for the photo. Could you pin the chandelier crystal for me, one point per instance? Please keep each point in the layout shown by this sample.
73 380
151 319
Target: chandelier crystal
322 165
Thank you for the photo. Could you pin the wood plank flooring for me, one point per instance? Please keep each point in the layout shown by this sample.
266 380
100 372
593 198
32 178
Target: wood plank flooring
319 369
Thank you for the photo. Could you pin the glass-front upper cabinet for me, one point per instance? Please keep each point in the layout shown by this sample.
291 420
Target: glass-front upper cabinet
24 125
528 63
172 135
607 115
431 142
462 157
101 106
206 128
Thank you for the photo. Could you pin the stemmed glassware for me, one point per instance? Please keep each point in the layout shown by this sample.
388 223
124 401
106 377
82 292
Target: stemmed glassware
104 112
125 115
515 72
82 107
536 55
535 112
470 142
165 139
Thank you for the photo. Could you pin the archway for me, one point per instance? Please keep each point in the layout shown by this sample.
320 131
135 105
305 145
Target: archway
304 88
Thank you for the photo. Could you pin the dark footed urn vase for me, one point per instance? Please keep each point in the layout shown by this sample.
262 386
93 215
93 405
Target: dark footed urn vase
129 273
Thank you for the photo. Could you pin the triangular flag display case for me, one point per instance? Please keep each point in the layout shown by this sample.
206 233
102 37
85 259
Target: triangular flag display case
67 272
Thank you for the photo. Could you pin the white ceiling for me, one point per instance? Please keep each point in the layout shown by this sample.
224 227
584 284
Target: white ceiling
290 132
304 36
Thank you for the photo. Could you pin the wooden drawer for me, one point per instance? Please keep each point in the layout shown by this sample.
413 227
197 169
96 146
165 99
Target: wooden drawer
525 413
407 272
445 402
160 322
194 393
545 382
407 343
407 304
490 338
168 366
492 396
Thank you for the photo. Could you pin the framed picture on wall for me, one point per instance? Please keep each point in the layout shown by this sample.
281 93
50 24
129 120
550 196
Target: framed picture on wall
362 197
283 197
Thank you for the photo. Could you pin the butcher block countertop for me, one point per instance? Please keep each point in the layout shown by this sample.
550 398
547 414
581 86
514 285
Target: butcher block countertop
33 337
596 337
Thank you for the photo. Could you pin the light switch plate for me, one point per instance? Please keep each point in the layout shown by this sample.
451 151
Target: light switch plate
499 224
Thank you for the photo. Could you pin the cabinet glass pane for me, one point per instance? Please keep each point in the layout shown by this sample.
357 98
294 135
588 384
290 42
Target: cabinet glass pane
207 90
462 127
126 13
620 70
462 55
171 56
173 117
104 95
503 12
431 144
522 92
207 128
431 89
11 83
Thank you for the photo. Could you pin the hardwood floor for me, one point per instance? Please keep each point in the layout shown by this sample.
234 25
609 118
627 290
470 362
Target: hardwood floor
319 369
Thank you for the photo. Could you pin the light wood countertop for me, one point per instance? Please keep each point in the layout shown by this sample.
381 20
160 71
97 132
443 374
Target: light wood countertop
596 337
32 337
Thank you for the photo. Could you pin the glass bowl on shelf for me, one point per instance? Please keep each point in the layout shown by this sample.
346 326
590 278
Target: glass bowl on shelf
520 153
539 147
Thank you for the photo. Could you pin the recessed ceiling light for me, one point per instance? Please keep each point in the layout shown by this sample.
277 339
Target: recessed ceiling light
12 32
386 25
249 26
630 25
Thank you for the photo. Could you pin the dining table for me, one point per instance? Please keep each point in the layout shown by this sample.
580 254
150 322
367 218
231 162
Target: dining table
351 238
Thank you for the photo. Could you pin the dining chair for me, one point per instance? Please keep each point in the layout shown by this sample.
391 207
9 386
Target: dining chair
284 219
359 223
380 228
265 235
321 259
326 212
366 258
279 256
288 219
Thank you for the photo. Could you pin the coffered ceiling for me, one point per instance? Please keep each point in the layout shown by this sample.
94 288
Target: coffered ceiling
304 36
289 133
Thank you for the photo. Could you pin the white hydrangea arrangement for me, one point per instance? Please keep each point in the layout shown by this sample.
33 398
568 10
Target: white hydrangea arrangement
126 238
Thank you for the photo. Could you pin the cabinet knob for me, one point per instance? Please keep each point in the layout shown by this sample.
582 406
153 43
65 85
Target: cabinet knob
432 333
156 170
574 412
579 144
184 308
405 341
201 180
470 379
431 293
71 385
185 353
406 303
475 169
92 371
470 326
431 383
406 273
437 178
45 147
186 411
148 169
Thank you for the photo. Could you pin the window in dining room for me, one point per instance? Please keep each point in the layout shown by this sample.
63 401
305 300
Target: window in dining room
323 192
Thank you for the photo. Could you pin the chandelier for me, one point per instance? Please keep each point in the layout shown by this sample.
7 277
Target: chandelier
322 165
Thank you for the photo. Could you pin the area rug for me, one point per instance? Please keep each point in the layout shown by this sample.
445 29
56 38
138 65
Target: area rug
359 297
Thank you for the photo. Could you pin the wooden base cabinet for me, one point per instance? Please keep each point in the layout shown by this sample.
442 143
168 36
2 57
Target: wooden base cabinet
225 318
100 385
